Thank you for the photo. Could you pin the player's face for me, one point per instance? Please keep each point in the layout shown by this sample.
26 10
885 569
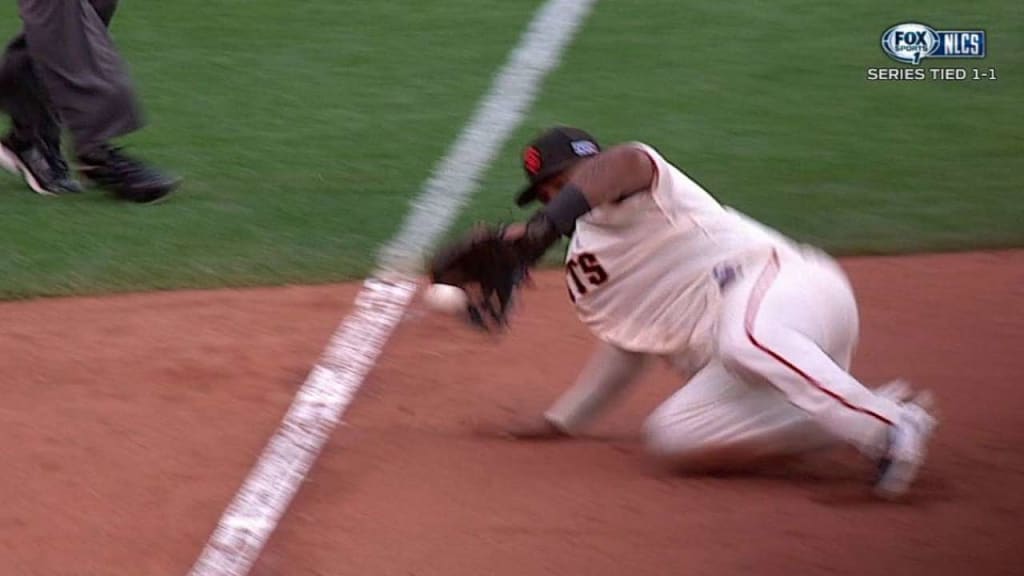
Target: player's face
551 186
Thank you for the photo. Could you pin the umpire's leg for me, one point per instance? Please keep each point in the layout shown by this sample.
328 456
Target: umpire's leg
77 62
105 9
23 98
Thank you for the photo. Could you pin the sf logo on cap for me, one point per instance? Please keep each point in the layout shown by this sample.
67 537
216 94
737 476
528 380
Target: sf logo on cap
532 160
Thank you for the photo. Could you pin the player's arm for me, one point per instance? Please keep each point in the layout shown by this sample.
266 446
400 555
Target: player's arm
608 177
609 371
613 175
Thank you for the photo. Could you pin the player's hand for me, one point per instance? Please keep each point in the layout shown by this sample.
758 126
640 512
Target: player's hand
514 231
535 429
487 267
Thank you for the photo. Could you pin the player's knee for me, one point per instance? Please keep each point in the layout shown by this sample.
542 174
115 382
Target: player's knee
734 350
684 452
691 444
670 440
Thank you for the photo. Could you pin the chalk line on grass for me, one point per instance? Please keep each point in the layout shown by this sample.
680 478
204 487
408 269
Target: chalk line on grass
332 384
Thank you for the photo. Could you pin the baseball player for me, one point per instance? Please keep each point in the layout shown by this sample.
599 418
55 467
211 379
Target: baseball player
762 328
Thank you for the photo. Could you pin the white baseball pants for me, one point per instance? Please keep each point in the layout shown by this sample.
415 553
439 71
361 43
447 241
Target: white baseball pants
778 383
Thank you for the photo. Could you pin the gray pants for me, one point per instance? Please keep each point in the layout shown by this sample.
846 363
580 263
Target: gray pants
64 68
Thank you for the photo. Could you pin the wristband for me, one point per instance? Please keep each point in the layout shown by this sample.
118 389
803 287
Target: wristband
563 210
540 234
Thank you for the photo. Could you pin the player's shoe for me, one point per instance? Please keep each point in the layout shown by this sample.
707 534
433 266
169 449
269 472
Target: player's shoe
128 178
908 447
41 166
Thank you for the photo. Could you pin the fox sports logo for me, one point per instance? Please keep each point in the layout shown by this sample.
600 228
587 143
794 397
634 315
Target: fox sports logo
909 42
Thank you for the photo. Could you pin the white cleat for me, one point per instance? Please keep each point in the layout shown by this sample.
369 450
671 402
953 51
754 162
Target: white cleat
898 391
908 447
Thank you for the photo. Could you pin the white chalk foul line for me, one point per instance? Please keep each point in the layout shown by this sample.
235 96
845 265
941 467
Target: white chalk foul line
499 113
254 513
252 516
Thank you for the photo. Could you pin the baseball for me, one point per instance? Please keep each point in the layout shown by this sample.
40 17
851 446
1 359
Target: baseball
445 298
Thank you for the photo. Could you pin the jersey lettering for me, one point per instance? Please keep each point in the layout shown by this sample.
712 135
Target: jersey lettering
582 273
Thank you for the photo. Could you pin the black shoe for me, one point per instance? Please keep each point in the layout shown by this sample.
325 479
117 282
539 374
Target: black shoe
128 178
40 164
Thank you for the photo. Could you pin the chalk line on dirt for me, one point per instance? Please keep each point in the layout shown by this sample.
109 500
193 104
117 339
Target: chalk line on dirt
352 351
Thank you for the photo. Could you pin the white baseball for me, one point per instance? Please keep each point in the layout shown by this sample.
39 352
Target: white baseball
445 298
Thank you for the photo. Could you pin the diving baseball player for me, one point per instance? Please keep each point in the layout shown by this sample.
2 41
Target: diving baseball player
762 328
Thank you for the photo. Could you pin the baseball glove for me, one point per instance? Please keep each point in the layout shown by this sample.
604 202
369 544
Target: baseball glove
488 268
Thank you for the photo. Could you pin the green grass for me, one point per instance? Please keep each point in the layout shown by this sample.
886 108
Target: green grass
766 104
303 131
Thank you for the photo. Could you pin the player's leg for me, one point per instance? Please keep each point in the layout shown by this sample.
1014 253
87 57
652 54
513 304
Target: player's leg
719 422
789 324
608 372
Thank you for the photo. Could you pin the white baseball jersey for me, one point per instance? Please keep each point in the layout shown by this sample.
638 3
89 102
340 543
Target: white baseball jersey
645 274
642 272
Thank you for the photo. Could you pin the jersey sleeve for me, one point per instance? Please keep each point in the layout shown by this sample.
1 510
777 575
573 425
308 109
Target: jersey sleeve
684 202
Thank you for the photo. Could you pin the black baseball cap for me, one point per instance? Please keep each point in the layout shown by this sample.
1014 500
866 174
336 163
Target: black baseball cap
551 152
